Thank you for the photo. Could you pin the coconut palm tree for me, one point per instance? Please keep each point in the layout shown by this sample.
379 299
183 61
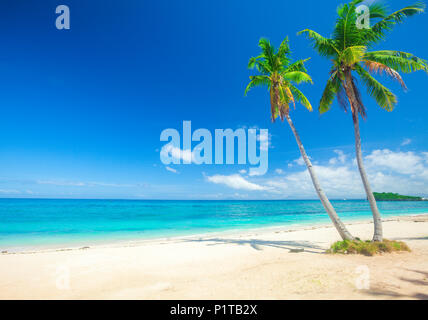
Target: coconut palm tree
280 75
349 50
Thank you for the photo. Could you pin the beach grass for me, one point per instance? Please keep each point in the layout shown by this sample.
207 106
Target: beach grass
367 248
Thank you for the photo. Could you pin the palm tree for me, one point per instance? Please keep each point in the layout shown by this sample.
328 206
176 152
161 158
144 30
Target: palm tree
279 74
348 49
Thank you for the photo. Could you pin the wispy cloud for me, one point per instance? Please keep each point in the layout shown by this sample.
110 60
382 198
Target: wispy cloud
298 162
406 142
340 158
9 191
265 141
171 169
236 181
62 183
177 153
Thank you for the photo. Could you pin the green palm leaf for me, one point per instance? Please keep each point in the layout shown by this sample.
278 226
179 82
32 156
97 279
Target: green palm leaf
398 60
324 46
352 55
297 77
386 24
257 81
383 96
331 90
300 97
297 66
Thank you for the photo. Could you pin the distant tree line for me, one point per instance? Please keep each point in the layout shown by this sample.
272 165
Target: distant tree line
389 196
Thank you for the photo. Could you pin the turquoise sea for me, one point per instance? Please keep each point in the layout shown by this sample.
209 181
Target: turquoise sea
26 223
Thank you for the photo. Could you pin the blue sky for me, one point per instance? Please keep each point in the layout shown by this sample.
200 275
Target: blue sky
83 109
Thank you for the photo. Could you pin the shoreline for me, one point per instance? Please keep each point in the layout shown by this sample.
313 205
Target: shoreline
85 245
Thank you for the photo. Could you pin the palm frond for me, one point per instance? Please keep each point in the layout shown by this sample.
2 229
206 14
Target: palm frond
378 10
260 64
297 77
289 95
331 89
388 22
297 66
352 55
383 96
324 46
300 97
257 81
360 108
346 32
398 60
284 52
268 51
252 62
377 67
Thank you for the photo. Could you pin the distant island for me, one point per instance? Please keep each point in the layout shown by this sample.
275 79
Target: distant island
389 196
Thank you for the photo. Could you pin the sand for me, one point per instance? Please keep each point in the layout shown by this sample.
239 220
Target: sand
252 264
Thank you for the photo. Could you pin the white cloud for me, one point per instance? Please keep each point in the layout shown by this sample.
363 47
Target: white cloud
177 153
171 169
61 183
298 162
257 172
333 180
265 141
406 142
235 181
240 196
425 157
9 191
341 158
400 162
114 185
243 171
389 171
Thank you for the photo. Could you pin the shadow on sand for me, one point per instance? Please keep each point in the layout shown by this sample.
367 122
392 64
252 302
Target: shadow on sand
416 295
256 244
403 239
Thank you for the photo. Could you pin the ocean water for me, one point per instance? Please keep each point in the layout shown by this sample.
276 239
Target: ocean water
26 223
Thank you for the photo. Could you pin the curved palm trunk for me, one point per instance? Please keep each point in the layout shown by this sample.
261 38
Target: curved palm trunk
344 233
376 215
378 234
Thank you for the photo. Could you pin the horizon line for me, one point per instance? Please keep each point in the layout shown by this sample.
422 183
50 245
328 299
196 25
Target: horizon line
135 199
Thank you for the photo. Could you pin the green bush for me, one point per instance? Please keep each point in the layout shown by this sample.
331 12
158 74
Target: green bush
367 248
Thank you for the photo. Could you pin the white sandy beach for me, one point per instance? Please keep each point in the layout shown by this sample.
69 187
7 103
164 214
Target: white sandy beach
256 264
